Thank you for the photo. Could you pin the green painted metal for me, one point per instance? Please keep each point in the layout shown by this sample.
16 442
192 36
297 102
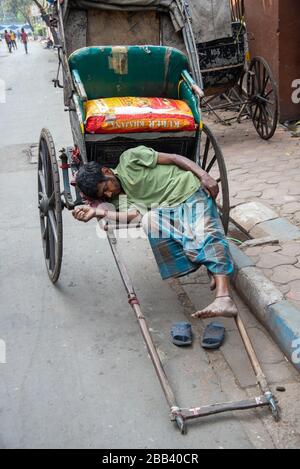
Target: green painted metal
79 85
187 77
80 111
187 95
146 71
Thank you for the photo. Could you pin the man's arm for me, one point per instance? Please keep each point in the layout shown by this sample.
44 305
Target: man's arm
207 181
86 213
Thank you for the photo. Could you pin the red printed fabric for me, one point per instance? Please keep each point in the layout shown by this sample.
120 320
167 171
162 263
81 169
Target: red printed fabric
129 114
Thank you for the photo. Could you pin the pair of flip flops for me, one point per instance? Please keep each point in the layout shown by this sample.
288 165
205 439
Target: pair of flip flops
213 336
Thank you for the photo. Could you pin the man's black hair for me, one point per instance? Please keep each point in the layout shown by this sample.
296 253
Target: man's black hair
88 177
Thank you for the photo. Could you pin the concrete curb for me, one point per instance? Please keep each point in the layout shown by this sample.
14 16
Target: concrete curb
280 317
259 221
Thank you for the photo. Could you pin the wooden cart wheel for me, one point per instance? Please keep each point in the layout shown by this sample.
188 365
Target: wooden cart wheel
212 161
263 98
50 205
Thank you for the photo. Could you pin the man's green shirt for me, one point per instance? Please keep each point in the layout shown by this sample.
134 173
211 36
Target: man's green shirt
150 185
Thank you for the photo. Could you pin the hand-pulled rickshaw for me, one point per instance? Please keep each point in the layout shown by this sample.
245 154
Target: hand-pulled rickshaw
119 49
234 82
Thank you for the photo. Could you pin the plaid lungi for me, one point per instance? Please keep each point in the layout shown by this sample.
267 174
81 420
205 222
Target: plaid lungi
187 236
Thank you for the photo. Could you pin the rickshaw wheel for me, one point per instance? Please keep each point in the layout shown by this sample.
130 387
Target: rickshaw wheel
212 161
50 205
263 98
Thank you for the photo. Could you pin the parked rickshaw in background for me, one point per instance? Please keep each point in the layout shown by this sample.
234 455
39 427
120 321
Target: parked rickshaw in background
130 50
234 82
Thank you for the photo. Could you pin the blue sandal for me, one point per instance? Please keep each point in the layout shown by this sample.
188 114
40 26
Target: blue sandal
181 334
213 336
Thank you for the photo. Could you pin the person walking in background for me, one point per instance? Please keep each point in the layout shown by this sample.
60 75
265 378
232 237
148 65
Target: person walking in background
8 41
24 39
13 39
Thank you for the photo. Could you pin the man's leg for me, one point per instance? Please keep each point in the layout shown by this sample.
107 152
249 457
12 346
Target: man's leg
212 279
166 243
205 243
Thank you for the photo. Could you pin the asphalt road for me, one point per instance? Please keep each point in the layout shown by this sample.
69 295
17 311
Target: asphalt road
77 373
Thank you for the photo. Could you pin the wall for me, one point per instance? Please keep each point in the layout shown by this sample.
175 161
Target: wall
289 57
262 17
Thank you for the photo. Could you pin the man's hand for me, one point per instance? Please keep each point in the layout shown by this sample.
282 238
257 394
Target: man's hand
210 185
84 213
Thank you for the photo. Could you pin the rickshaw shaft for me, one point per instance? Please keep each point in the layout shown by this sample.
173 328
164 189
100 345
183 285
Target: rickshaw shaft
261 379
214 409
182 415
133 301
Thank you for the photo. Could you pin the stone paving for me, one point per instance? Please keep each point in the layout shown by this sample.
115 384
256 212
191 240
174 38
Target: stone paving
268 172
281 264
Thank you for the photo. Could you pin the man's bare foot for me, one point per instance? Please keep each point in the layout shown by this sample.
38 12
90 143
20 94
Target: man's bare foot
221 307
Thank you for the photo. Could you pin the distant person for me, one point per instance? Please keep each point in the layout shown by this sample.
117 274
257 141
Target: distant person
24 39
13 39
8 41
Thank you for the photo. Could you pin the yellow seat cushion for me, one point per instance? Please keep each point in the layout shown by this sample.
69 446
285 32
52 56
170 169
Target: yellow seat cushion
129 114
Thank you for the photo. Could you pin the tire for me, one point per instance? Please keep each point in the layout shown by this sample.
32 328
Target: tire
50 205
212 161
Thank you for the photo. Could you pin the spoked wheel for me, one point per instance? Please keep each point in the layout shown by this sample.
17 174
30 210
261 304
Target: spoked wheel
263 98
50 205
212 161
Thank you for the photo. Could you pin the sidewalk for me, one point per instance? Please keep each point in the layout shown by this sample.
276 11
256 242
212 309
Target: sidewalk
264 181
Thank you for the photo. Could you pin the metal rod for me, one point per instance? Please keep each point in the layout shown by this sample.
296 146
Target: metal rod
205 411
190 43
209 108
261 379
225 67
221 107
63 51
170 397
180 416
242 112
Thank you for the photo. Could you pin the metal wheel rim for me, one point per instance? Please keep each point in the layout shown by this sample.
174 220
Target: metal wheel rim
212 161
263 98
50 208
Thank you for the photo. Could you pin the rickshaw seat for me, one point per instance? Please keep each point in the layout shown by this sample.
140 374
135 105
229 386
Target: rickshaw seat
140 71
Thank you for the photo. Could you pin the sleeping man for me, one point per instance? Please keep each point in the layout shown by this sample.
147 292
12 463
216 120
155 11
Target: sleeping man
175 199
